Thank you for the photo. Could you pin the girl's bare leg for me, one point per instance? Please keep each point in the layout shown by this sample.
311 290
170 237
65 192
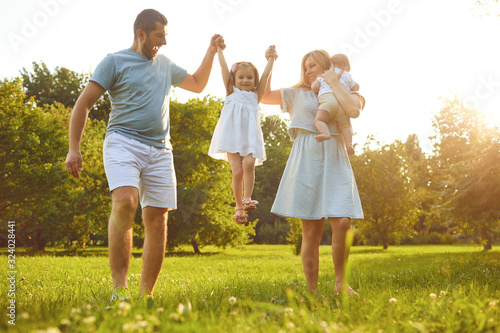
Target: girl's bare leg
248 176
235 161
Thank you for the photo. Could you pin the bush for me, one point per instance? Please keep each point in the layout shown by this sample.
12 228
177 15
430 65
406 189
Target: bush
274 234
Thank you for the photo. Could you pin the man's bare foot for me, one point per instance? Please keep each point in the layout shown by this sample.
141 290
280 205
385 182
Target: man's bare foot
322 137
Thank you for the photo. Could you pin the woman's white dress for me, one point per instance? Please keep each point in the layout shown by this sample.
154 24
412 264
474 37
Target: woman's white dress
238 129
318 180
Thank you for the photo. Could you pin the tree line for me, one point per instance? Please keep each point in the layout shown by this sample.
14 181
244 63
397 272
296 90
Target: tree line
408 197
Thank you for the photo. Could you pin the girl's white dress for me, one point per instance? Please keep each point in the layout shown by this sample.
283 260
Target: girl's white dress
238 129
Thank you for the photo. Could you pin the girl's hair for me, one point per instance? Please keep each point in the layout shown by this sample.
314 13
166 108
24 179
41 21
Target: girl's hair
234 68
341 61
321 58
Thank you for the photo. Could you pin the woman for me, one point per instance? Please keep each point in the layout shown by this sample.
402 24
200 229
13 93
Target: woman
318 181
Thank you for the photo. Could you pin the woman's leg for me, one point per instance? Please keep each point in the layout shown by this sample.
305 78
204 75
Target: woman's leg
340 251
312 230
248 176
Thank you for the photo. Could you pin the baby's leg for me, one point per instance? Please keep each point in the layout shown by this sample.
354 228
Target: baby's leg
321 121
344 126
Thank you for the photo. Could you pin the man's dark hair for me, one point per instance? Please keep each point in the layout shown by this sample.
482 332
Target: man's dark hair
146 21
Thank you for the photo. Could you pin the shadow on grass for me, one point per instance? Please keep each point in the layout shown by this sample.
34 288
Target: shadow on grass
93 252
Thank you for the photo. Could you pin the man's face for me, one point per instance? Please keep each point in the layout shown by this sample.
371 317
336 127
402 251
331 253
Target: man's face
154 41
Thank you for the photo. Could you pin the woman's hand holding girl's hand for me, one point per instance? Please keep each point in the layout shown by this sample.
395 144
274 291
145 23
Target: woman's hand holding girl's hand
271 52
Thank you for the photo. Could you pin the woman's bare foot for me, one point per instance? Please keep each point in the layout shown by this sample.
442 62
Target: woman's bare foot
322 137
345 289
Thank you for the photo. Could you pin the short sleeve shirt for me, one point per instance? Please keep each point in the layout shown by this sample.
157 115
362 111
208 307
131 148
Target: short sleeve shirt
302 106
139 91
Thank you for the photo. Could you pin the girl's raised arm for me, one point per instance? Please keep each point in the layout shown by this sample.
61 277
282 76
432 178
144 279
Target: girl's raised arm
225 71
271 56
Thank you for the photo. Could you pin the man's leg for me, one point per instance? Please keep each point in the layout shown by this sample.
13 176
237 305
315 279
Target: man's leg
124 201
155 226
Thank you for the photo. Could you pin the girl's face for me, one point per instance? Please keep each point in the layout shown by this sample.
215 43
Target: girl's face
244 78
312 71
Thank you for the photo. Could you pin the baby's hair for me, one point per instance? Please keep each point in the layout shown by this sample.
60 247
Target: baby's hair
234 68
341 61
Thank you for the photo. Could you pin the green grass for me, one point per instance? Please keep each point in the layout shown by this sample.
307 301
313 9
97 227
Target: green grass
72 293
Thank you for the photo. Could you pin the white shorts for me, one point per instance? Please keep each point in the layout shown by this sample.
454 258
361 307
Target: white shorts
128 162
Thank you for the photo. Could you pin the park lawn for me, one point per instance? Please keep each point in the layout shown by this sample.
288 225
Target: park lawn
261 288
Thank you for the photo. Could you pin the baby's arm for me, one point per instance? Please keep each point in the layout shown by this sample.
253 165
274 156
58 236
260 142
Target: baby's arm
225 71
265 74
315 86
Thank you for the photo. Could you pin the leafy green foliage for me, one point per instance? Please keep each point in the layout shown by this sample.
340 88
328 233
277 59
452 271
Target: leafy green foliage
31 161
467 159
63 86
204 184
384 190
267 178
35 190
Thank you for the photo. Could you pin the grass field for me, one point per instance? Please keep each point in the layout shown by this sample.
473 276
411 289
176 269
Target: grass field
261 288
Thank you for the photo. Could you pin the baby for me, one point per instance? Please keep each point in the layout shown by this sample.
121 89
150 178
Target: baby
328 103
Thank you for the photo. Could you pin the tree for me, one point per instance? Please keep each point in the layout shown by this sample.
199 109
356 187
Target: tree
271 228
204 190
31 161
35 190
385 193
467 156
423 189
63 86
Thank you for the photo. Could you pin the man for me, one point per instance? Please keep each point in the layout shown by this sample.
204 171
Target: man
137 152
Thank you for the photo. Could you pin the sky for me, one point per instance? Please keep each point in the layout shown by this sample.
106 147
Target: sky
405 54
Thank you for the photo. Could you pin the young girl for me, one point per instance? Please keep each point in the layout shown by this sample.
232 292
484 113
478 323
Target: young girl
238 138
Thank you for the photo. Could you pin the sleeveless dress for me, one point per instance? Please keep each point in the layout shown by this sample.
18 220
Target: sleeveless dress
318 180
238 129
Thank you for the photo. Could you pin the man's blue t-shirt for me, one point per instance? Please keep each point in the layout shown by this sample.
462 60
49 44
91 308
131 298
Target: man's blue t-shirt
138 89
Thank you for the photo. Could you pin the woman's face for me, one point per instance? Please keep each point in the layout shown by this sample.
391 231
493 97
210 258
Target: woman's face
312 71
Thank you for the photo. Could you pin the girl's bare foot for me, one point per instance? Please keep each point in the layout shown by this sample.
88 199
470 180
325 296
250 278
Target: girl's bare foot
322 137
249 204
239 215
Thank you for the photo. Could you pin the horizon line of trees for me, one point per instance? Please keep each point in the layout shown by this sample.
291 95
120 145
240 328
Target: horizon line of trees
408 197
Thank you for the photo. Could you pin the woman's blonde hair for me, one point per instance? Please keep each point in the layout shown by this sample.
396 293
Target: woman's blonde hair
321 58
